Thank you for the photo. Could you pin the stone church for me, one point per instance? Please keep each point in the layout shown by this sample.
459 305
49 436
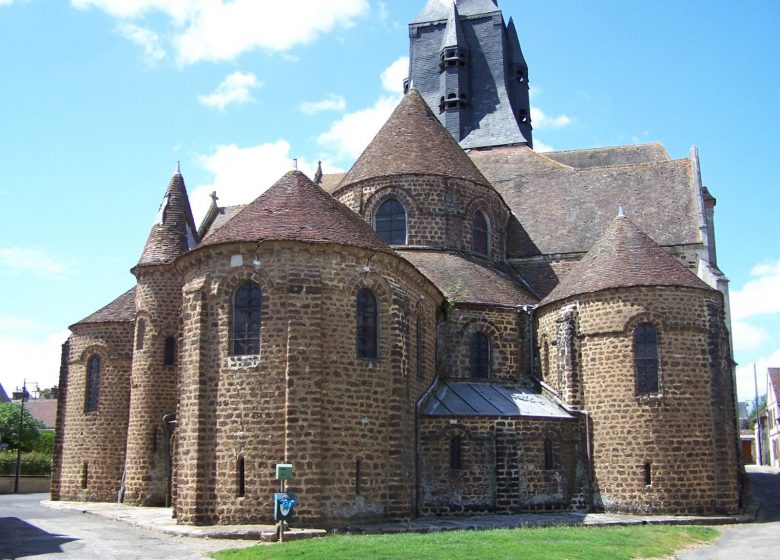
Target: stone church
458 324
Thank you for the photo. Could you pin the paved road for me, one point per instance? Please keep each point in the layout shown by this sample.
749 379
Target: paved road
760 540
28 529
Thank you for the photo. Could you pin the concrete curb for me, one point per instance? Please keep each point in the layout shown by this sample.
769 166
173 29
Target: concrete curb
159 519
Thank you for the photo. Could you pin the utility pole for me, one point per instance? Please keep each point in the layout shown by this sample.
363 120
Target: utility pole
759 459
19 448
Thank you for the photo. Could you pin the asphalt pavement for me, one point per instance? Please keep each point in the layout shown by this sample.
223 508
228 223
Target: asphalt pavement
759 540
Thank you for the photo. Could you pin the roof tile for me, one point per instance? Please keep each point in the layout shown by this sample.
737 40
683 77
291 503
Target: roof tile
296 209
121 310
468 281
413 142
174 231
624 257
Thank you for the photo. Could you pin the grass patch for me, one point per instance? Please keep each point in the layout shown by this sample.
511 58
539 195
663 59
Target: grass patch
548 543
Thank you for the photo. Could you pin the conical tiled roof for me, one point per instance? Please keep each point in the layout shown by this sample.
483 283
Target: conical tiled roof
453 33
296 209
174 231
413 141
623 257
121 310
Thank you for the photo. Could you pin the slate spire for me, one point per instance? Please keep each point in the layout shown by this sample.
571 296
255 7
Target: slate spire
453 33
173 232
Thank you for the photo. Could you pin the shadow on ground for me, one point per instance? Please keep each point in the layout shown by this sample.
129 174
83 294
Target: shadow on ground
19 539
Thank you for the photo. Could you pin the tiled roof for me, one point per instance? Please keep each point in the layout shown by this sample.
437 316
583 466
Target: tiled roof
413 141
624 257
221 217
437 10
488 399
296 209
774 379
174 231
44 410
121 310
564 210
612 156
330 181
468 281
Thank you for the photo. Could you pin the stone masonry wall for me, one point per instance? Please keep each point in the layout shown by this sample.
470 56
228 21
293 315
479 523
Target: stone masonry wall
685 433
507 331
154 385
346 424
503 466
92 462
439 210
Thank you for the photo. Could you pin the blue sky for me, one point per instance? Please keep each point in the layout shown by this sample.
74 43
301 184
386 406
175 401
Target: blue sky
101 98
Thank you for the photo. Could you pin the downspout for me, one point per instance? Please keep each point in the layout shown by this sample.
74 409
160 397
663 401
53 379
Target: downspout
529 309
417 406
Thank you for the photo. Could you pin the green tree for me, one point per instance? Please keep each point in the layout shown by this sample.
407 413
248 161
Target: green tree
754 411
9 427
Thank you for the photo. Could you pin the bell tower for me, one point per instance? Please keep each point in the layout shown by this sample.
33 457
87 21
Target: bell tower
468 66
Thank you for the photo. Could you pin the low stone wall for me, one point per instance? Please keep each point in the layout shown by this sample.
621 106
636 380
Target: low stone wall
27 484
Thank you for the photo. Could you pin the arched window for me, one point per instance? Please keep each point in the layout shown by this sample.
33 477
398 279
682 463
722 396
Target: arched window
93 384
546 361
456 453
479 355
480 236
390 222
366 320
549 455
170 351
646 358
247 307
141 333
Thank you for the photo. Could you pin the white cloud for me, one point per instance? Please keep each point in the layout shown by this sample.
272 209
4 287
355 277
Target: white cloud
218 30
35 358
19 260
542 147
350 135
747 337
541 120
746 386
332 102
235 88
146 39
759 296
394 75
6 2
243 174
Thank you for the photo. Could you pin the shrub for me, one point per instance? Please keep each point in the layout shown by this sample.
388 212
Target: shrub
33 464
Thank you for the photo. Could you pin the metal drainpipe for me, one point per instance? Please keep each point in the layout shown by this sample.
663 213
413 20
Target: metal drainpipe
417 406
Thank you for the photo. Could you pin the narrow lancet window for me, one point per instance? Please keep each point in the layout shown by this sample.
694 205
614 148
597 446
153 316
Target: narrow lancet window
366 325
646 358
479 355
93 384
456 456
480 234
247 308
170 351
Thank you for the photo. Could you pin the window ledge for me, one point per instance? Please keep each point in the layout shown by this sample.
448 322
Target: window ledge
243 362
650 398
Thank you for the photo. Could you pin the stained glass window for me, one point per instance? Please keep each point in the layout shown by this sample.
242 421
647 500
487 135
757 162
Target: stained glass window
366 318
646 358
247 307
390 222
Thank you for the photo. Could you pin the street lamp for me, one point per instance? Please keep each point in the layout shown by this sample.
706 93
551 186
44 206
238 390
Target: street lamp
19 448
